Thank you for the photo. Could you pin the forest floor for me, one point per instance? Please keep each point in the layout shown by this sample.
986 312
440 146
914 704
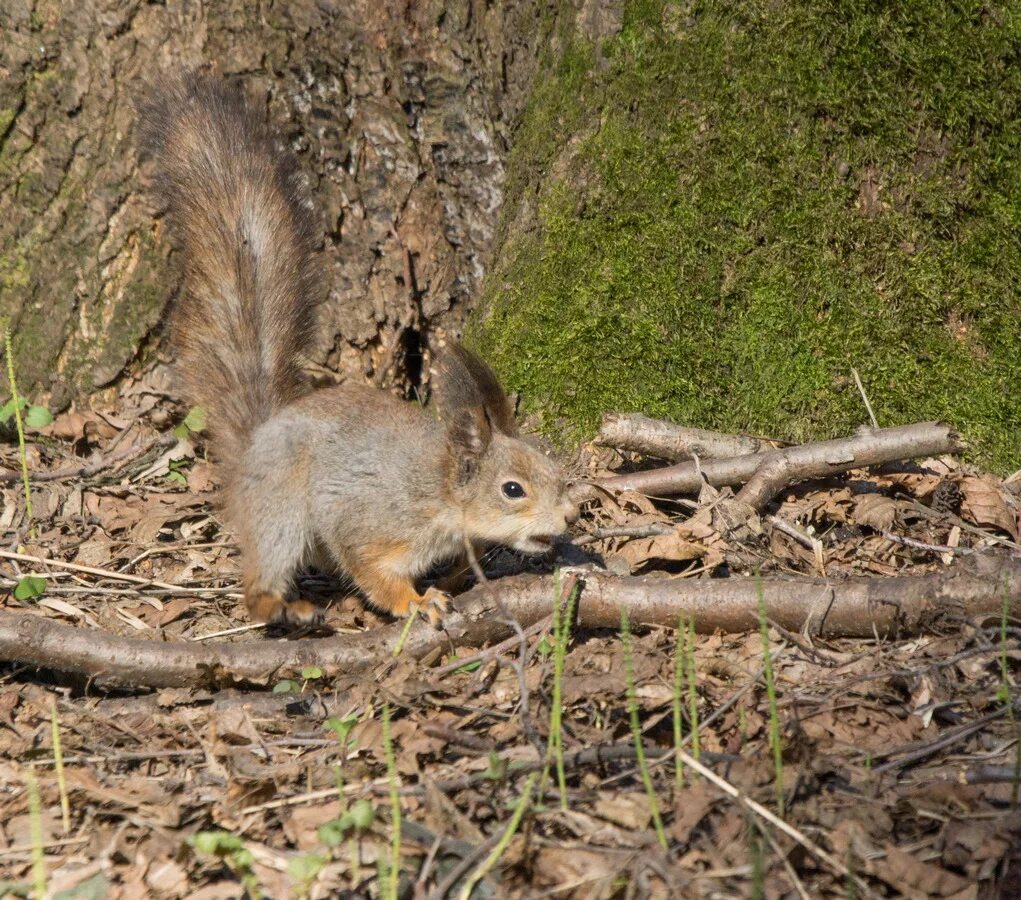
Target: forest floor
898 754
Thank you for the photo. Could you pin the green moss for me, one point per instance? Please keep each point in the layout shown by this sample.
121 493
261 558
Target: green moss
739 201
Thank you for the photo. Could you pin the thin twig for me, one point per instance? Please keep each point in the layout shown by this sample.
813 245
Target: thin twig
102 573
915 752
494 651
626 531
930 548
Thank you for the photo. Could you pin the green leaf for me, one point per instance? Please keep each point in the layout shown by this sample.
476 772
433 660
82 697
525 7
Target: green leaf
304 869
361 814
7 410
38 417
217 842
497 768
310 673
287 686
468 667
341 727
30 586
331 833
196 419
177 478
358 818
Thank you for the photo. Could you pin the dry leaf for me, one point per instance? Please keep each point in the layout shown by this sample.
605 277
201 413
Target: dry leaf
985 504
915 878
875 511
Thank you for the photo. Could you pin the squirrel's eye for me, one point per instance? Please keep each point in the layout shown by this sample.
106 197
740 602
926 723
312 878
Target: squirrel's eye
513 490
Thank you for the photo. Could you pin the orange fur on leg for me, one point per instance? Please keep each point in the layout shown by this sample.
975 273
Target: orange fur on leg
275 609
395 593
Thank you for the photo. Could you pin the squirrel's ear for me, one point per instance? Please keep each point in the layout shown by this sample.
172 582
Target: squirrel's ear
463 381
469 433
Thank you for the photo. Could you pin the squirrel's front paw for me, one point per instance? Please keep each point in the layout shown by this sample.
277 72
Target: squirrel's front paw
434 604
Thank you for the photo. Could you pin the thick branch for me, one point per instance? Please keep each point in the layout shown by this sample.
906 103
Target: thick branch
816 460
858 607
665 440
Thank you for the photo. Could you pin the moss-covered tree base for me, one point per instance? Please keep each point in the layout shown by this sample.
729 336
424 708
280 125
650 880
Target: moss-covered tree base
719 210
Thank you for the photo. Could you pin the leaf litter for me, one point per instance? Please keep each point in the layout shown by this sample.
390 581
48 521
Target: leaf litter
899 757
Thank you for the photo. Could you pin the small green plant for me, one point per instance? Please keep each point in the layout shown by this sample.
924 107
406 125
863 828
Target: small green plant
310 673
689 656
303 870
29 587
58 762
405 631
774 718
501 847
35 820
758 861
176 470
684 671
232 850
292 686
562 619
35 416
636 729
358 818
496 768
392 882
193 423
681 641
341 726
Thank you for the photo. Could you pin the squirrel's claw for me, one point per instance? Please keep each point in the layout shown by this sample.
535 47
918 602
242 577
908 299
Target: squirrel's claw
435 603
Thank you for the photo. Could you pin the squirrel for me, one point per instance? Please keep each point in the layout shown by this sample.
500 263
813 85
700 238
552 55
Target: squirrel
346 478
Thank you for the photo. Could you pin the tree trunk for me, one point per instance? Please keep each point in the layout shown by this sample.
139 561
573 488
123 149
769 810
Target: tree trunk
399 112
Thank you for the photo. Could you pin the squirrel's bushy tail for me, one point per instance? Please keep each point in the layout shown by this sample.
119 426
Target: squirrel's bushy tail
237 207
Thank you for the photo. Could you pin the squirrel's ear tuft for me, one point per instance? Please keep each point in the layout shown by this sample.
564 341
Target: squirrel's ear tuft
469 433
463 381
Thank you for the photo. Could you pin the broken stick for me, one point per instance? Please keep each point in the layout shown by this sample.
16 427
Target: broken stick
665 440
768 473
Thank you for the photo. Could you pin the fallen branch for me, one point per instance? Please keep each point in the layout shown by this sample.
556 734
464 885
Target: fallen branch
665 440
767 473
858 607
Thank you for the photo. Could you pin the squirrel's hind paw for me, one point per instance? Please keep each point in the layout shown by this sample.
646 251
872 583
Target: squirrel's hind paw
435 603
275 610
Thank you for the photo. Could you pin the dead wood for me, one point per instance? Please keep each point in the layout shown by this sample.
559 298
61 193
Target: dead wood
665 440
767 473
857 607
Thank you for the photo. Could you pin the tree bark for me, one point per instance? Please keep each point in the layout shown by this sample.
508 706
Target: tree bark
399 113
